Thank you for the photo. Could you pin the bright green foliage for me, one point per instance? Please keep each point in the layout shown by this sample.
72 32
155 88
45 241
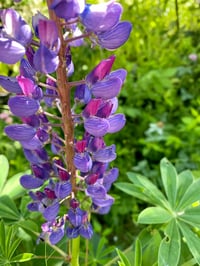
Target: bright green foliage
8 245
177 211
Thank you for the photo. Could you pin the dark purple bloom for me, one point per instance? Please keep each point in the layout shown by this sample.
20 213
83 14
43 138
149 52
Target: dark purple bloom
105 155
116 37
82 94
51 211
63 189
10 84
86 230
20 132
101 17
23 106
31 182
75 216
97 191
72 232
83 162
68 9
54 230
96 126
103 202
32 144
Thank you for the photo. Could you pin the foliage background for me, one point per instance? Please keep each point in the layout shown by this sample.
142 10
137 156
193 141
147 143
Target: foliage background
160 98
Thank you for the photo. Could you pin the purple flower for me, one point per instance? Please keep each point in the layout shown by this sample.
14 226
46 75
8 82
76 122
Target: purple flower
105 155
107 89
116 122
15 36
96 126
83 162
31 182
20 132
68 9
101 17
23 106
10 84
115 37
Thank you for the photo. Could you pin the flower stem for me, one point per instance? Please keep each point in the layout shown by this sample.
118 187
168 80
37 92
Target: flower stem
75 251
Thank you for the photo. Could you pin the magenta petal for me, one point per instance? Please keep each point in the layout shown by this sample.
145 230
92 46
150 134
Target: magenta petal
101 70
107 89
105 155
31 182
20 132
96 126
115 37
51 211
10 51
117 122
23 106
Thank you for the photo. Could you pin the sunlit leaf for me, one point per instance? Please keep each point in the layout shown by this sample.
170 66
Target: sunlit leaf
192 240
138 253
185 179
23 257
191 195
123 259
169 179
154 215
170 247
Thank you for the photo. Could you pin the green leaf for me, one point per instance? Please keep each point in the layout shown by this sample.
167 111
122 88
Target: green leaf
191 195
4 168
169 179
138 253
23 257
154 215
148 190
123 259
2 237
192 240
13 187
29 225
185 179
8 209
170 247
191 216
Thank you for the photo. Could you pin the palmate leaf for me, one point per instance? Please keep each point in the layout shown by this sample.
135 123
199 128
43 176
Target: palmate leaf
192 240
154 215
147 190
191 216
169 179
23 257
170 247
138 253
8 209
185 179
191 196
123 259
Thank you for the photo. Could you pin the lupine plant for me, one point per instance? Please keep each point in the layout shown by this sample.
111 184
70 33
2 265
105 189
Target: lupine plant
63 122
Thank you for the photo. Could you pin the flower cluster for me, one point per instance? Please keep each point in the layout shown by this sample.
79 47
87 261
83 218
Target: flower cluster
63 163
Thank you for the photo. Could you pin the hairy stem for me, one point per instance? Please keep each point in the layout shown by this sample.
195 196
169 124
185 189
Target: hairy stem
63 88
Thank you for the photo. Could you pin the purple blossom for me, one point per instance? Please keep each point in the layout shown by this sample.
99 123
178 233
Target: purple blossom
101 17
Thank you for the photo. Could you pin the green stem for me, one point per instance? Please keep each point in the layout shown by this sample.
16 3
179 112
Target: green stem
75 251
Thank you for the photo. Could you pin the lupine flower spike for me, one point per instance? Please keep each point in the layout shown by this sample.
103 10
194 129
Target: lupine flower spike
63 162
